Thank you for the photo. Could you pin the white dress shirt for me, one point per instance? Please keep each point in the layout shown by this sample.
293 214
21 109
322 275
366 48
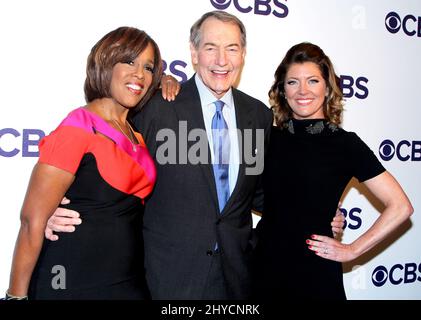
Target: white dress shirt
207 100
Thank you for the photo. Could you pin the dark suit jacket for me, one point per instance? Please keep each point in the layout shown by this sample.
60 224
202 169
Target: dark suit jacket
182 222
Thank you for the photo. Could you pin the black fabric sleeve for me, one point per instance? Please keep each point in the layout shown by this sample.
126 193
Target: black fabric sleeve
258 200
365 165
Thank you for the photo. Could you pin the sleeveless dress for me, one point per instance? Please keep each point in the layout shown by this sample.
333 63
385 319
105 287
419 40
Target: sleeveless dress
307 167
103 257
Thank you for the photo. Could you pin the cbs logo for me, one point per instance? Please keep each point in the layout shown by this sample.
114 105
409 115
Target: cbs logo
177 68
407 273
354 87
405 150
262 7
28 141
353 220
410 24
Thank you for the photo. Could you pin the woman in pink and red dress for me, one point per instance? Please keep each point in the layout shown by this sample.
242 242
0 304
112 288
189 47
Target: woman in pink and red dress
98 161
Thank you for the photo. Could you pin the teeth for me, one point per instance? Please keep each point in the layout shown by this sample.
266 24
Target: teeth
304 101
220 72
134 86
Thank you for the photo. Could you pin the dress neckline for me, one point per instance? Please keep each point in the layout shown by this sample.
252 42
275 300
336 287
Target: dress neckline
312 127
108 130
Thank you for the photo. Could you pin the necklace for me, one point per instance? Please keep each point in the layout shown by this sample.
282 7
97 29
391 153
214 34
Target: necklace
132 139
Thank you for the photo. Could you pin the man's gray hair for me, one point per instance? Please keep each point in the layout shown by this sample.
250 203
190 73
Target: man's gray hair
195 34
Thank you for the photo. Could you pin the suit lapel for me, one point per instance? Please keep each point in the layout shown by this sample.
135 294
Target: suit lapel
191 112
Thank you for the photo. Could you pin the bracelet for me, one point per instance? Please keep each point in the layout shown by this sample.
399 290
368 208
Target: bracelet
12 297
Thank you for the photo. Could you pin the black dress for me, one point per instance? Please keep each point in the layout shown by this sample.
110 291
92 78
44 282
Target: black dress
103 257
307 167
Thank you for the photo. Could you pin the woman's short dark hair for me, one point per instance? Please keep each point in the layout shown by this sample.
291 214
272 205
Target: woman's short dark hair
120 45
300 53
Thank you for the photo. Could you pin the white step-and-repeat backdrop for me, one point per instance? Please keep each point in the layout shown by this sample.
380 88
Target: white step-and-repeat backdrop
375 46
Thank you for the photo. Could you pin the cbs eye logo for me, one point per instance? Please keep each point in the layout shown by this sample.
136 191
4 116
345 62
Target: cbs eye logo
221 4
387 150
379 276
410 24
392 22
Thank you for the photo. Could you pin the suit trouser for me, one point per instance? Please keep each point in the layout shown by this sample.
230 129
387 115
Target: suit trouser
216 288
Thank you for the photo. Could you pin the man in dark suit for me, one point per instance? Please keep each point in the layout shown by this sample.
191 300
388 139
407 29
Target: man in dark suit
194 248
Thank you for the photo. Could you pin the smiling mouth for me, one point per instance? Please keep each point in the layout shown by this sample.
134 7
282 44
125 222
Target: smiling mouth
135 88
304 102
222 73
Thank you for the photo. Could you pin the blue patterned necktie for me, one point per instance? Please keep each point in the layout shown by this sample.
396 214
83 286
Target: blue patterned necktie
221 149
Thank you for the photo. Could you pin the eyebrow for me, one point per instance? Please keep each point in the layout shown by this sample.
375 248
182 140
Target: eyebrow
313 76
215 45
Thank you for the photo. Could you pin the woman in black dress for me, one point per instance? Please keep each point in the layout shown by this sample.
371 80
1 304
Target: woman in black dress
308 165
